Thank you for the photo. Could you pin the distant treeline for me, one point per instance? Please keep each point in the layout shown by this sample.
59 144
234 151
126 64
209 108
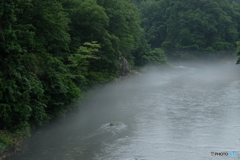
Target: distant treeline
191 29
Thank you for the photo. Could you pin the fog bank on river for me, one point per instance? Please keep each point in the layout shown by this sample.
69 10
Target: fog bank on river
171 114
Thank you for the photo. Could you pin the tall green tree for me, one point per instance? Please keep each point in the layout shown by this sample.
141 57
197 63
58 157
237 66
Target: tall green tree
124 23
89 23
124 26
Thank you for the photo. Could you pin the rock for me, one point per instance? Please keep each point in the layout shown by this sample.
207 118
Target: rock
134 73
124 70
115 123
124 67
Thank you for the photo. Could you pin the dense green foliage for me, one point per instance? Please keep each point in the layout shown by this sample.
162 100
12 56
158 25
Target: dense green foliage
192 28
35 83
52 51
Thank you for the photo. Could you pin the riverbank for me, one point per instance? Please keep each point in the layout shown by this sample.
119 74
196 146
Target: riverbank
168 103
11 141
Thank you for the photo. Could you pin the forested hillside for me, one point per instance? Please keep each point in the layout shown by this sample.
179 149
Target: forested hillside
52 51
192 29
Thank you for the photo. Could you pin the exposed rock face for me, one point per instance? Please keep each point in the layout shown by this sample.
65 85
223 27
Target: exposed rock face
124 70
124 67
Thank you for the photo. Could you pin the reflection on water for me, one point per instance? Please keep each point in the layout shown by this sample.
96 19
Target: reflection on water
185 113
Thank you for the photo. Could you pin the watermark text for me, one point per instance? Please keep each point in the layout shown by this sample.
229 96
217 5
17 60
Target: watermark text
224 154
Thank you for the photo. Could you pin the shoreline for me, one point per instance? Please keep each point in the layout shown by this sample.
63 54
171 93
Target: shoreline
11 141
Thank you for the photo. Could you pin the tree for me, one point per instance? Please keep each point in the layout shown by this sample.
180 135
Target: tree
124 26
89 23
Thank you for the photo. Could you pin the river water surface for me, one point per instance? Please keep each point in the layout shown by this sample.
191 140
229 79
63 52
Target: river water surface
179 114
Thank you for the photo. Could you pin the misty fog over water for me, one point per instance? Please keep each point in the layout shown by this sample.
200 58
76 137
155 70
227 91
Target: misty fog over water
165 114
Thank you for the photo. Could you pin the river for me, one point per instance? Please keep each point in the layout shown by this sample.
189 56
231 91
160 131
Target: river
183 113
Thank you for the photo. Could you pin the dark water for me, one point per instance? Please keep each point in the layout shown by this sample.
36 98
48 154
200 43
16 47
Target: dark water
185 113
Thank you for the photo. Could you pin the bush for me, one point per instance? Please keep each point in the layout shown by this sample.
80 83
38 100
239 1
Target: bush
5 142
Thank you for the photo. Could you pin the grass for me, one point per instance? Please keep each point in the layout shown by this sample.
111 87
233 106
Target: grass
5 142
9 140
